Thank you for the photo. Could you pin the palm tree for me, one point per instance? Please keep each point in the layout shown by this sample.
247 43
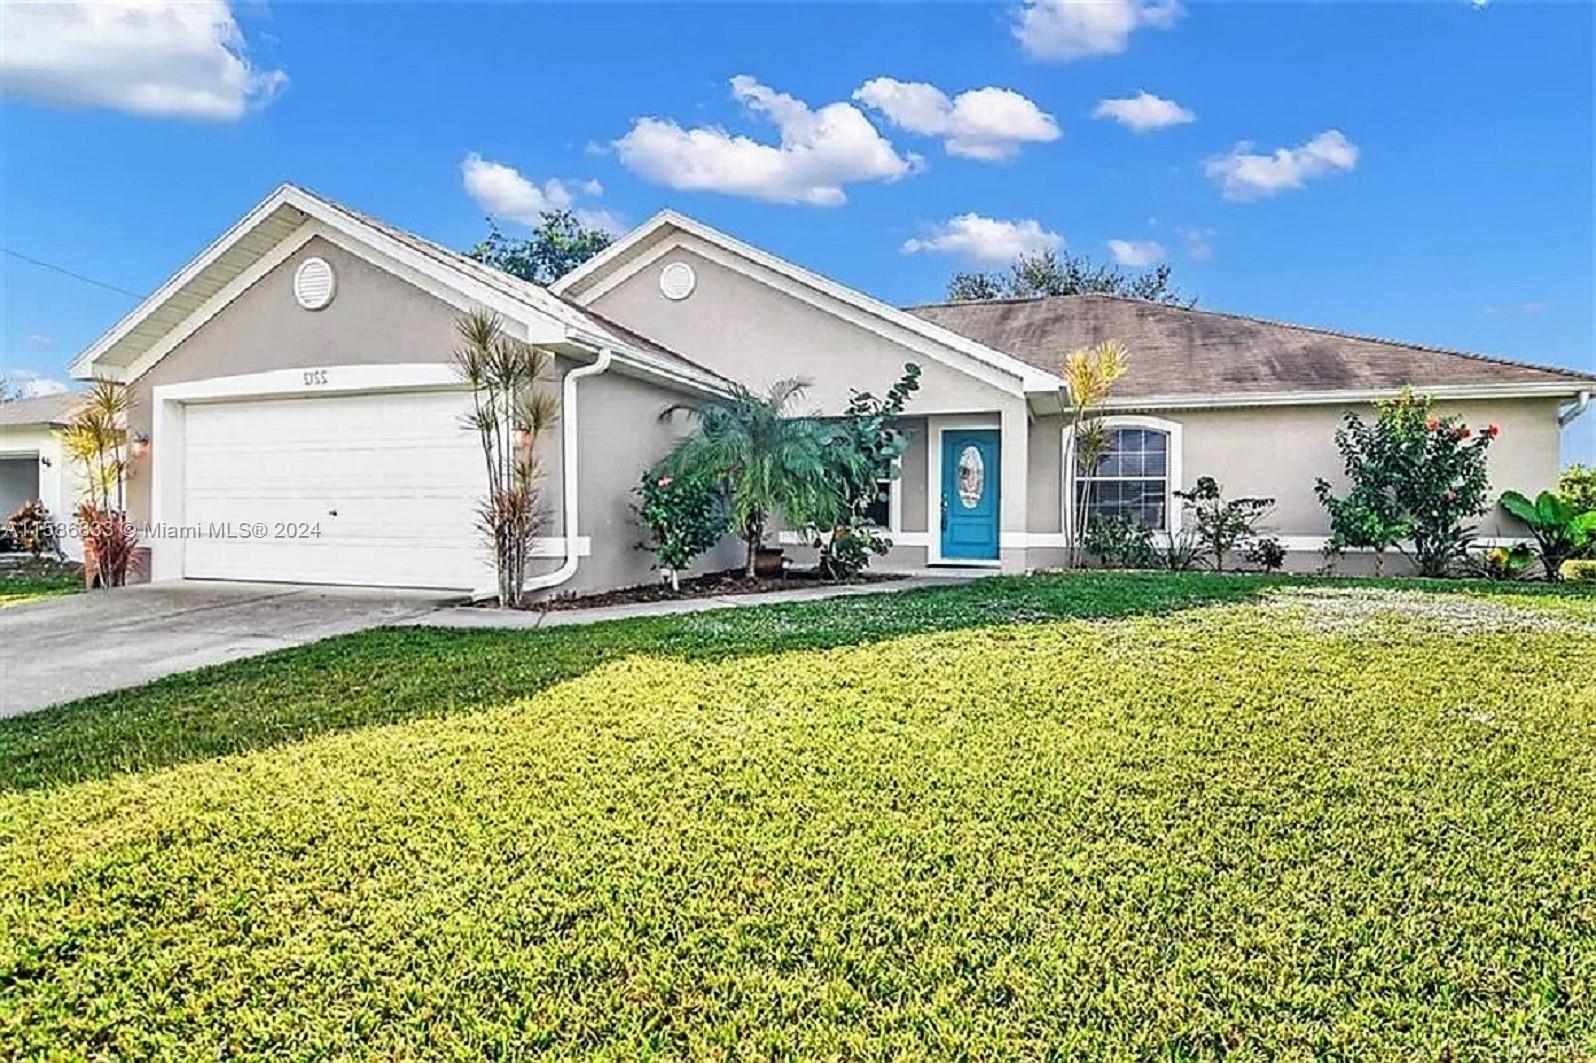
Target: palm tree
1089 375
770 460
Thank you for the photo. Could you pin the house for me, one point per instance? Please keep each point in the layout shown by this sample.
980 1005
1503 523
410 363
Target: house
303 419
34 465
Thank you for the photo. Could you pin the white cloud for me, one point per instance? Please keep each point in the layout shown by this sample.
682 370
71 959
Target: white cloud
1144 112
503 191
176 58
1199 241
987 240
1072 29
820 151
990 124
28 384
1533 306
1244 175
39 341
1137 253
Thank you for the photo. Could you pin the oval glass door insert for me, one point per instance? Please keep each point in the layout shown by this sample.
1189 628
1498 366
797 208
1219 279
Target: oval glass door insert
972 477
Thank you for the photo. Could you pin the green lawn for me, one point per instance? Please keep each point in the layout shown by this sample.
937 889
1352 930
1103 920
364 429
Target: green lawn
1173 816
41 578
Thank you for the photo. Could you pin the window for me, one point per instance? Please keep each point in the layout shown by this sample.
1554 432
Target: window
879 513
1131 480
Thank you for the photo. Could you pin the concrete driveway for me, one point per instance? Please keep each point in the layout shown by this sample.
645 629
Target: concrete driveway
69 647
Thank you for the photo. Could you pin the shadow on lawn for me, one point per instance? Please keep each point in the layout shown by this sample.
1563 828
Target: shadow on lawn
394 674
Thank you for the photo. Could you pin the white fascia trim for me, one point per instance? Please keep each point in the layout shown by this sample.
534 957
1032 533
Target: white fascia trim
1173 481
1029 377
642 363
1549 389
936 424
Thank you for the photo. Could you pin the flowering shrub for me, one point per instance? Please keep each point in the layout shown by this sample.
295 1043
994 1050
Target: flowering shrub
30 529
684 516
1417 479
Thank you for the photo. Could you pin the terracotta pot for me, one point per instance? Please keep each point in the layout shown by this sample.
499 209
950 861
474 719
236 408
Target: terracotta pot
769 562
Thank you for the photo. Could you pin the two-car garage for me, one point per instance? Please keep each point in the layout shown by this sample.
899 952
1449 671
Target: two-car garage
376 489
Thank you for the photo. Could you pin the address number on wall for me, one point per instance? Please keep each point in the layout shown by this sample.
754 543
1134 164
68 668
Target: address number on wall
315 377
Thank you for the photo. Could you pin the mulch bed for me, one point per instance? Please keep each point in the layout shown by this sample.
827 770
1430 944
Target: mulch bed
709 585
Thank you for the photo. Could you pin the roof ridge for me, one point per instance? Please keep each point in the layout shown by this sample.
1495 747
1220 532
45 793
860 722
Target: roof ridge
1315 329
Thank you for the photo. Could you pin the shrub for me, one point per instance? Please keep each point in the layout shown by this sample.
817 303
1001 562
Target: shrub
110 545
1560 532
1577 485
1416 478
684 516
1267 553
1220 525
1579 571
1505 563
31 529
847 551
1119 542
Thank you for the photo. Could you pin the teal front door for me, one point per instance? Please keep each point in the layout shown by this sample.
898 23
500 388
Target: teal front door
970 479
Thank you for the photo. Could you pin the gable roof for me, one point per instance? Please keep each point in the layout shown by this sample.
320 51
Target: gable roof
43 410
207 283
631 252
1178 354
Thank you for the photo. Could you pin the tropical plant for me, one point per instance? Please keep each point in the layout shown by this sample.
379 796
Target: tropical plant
1504 563
770 460
1414 471
862 448
1578 571
684 516
97 441
557 245
1119 542
1221 524
30 529
1044 273
1560 532
509 412
1268 553
1577 485
1181 550
1089 375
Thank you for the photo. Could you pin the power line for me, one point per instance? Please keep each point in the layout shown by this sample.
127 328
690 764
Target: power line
69 273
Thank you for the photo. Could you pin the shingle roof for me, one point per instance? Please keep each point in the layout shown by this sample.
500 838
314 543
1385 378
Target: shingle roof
46 409
1178 351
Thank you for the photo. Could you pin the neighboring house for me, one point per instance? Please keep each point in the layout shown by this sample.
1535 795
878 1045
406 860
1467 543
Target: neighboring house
304 420
33 462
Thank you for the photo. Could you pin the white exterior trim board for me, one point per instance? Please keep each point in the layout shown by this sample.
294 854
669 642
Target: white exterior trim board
1548 389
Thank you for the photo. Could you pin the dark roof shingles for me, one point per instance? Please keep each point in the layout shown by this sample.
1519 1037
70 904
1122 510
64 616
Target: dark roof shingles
1179 351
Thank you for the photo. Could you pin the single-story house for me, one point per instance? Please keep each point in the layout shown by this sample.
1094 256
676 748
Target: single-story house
34 465
295 387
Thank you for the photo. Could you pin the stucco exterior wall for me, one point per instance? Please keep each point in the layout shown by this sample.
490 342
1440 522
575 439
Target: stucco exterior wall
378 318
752 333
1279 451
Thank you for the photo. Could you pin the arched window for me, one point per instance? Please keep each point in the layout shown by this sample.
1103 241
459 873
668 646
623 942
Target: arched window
1136 477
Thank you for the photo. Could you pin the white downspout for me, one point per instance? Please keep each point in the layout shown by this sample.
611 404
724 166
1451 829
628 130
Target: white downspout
569 488
1567 417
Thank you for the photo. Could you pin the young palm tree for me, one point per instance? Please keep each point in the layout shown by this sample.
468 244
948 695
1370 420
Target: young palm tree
509 413
770 460
1089 375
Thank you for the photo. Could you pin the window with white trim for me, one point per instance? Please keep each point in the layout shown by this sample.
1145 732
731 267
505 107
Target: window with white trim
879 513
1131 480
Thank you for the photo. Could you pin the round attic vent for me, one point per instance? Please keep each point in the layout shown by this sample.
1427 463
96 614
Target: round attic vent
677 280
314 283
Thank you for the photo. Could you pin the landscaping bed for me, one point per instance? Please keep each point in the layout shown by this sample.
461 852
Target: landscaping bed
1171 816
24 578
710 585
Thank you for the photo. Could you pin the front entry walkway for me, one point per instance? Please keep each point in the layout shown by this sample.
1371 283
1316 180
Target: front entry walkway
64 648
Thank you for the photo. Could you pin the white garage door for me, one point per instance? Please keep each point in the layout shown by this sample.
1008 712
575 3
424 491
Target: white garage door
371 490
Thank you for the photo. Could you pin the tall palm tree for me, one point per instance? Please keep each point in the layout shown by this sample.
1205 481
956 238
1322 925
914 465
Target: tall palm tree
770 459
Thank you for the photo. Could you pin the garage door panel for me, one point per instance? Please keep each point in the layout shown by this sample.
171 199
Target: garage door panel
386 485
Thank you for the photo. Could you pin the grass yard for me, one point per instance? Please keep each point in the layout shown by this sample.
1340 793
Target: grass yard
27 579
1171 816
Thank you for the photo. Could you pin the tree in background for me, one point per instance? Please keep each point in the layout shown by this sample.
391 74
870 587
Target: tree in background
1577 486
509 412
1044 273
559 244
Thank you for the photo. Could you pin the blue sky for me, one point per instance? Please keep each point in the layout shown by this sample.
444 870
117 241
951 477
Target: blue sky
1419 171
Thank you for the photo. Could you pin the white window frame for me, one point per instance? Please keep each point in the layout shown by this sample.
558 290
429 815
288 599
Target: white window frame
894 525
1173 472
